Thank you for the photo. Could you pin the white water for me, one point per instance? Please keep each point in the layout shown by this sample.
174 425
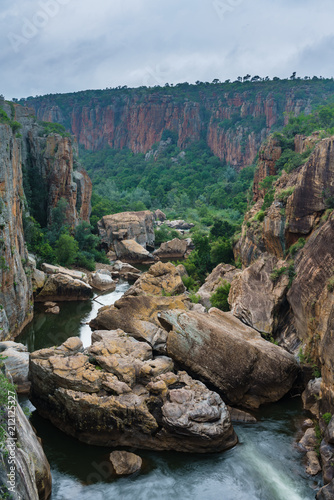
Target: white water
99 301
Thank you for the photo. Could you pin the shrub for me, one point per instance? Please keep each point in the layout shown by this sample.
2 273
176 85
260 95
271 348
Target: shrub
291 273
86 260
260 216
284 194
277 273
297 246
194 298
221 251
190 283
164 233
327 417
66 250
330 284
219 299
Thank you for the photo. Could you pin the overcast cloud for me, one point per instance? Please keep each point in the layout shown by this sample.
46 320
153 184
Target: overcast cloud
49 46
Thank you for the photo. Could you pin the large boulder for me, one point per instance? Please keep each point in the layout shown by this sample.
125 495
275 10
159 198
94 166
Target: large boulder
16 359
38 279
116 394
220 349
125 463
255 296
131 251
179 225
173 249
61 287
138 226
161 278
139 317
102 281
77 275
159 215
221 273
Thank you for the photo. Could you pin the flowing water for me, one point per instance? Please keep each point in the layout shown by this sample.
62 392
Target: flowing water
265 465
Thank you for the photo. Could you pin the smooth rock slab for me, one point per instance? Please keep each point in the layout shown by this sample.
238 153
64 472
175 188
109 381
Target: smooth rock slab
125 463
233 357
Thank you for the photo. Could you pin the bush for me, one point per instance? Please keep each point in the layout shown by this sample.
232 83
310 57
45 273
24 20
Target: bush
326 417
297 246
221 251
86 260
66 250
260 216
284 194
275 275
219 299
165 233
330 284
194 298
190 283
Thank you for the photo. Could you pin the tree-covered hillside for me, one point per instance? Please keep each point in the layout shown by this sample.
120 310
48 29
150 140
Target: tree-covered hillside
192 182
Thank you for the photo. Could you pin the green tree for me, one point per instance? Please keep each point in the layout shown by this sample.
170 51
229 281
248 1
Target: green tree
220 298
66 250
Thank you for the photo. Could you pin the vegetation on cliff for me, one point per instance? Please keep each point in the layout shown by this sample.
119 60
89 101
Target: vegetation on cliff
56 243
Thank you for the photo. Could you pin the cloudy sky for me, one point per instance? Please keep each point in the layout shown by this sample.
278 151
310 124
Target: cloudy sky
49 46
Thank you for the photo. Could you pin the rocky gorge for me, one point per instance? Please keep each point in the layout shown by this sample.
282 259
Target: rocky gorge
163 372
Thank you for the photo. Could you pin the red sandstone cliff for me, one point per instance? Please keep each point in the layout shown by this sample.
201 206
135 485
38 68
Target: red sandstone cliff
234 124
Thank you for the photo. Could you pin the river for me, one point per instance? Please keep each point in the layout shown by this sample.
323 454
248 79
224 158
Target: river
265 465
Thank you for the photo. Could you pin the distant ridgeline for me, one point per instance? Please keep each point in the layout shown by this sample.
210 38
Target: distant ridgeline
232 118
210 131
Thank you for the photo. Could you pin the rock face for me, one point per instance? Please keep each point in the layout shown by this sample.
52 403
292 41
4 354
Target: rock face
174 249
248 370
129 234
221 273
255 298
60 287
32 475
134 400
327 492
136 119
48 161
16 361
300 200
136 226
299 303
52 159
16 289
266 165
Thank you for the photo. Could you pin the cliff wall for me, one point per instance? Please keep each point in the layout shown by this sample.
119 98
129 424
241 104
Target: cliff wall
232 121
287 250
47 162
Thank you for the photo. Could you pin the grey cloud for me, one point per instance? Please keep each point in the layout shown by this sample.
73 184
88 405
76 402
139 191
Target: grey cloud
102 44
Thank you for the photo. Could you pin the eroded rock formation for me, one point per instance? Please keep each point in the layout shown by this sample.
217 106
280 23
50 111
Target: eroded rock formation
133 399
